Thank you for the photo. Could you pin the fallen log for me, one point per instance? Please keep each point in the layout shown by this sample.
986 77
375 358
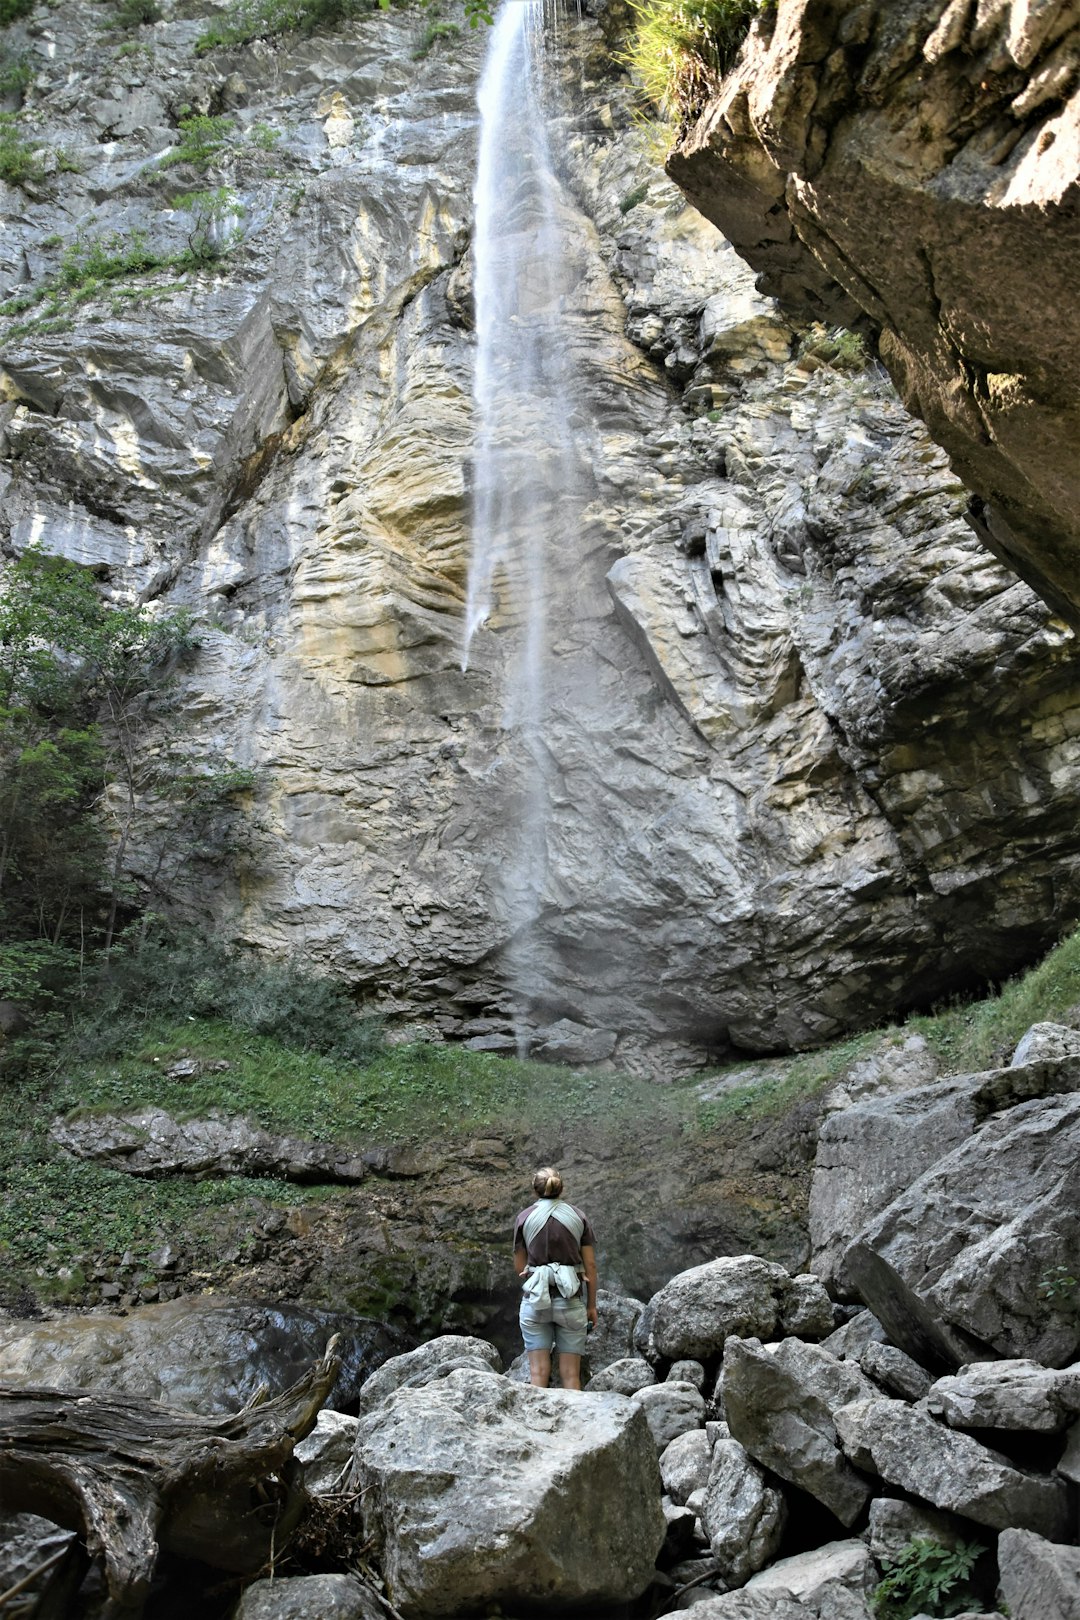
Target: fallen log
131 1476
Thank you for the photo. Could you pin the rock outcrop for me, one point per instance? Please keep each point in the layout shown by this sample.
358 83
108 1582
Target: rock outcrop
153 1142
811 753
915 171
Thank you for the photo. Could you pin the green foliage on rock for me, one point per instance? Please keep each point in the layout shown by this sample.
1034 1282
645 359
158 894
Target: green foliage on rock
20 164
681 49
202 138
92 266
983 1034
928 1578
16 72
75 677
246 20
12 10
135 13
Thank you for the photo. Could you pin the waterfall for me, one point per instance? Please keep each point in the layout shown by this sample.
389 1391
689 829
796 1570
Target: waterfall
527 473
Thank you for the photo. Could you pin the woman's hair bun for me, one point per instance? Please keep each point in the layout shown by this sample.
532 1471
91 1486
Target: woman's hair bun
547 1182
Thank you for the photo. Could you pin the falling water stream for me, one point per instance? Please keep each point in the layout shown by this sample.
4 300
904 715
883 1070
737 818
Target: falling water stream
527 473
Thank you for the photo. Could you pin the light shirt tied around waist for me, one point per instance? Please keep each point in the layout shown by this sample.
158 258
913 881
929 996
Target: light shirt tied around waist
540 1280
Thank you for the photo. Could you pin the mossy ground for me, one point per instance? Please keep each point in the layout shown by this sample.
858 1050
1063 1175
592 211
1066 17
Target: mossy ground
58 1217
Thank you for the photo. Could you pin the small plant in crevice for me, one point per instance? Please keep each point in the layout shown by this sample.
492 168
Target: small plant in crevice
838 348
215 223
633 198
264 136
135 13
1057 1285
435 31
927 1578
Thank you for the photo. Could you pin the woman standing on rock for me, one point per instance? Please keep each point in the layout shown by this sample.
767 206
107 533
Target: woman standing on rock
555 1253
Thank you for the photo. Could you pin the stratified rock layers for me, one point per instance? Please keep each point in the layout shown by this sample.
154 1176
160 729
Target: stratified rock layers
810 752
919 165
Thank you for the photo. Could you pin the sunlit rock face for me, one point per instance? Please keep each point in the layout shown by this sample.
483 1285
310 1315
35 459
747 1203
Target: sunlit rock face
813 754
919 166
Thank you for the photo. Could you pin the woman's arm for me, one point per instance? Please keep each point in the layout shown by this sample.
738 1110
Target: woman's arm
521 1260
588 1260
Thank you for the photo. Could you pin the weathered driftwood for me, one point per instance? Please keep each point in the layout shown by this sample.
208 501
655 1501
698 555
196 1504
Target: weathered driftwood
130 1475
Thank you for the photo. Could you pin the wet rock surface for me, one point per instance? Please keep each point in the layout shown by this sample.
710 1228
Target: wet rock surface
203 1354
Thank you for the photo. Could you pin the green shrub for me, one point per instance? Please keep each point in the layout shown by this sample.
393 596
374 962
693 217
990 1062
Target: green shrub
16 72
681 49
431 36
838 348
19 163
135 13
632 198
12 10
927 1578
202 138
215 229
164 973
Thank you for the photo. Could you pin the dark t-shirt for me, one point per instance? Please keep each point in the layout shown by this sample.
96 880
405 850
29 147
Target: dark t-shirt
554 1244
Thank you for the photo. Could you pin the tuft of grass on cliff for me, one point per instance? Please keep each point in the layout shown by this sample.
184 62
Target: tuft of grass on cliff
680 50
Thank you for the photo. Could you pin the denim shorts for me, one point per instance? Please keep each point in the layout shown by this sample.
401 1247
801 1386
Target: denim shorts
560 1325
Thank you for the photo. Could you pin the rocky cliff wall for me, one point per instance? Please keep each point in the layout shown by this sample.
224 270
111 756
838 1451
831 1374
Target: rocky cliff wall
917 168
814 752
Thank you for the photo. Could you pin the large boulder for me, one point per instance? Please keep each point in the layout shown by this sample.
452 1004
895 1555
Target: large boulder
912 1451
744 1605
869 1153
893 1523
435 1359
693 1314
981 1236
478 1491
872 1152
742 1514
1013 1394
1038 1579
613 1337
779 1405
204 1354
895 1371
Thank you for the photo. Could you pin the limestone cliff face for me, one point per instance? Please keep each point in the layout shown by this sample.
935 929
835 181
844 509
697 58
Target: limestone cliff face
917 167
814 753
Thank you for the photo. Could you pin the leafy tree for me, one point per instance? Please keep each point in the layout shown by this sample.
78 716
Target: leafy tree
77 679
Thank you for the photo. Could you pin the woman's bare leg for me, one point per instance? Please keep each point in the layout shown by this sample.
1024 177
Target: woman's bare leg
540 1368
569 1371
